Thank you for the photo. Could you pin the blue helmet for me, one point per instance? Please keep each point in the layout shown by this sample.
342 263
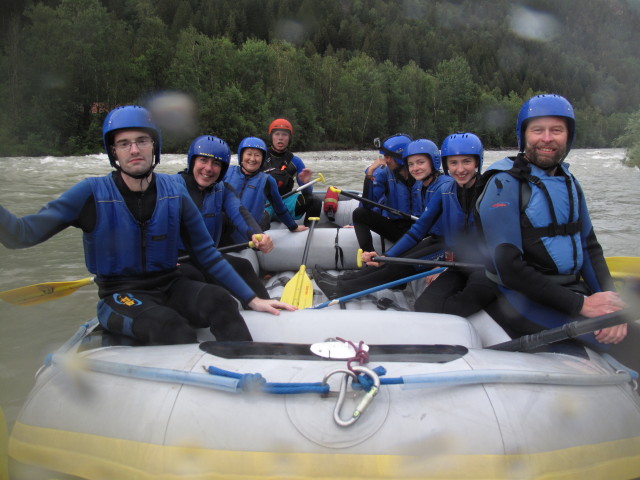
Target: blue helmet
462 144
129 117
426 147
212 147
252 142
393 146
547 105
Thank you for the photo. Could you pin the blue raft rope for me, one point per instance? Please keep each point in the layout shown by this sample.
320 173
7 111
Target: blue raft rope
252 382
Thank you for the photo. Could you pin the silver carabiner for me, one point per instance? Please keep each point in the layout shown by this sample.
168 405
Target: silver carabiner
364 402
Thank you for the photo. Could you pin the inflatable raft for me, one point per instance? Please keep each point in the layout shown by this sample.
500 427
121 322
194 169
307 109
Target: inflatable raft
344 392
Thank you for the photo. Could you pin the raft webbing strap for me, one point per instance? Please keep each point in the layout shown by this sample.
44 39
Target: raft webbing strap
339 253
256 382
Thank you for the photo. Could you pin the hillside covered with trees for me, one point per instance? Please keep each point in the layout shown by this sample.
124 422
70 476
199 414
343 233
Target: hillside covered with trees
343 71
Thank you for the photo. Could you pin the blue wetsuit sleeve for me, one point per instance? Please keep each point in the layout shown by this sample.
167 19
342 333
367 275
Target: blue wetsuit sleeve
202 251
54 217
239 215
419 230
281 210
297 161
499 211
379 185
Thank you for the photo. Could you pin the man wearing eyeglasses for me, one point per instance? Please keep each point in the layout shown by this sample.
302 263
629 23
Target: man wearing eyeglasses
132 221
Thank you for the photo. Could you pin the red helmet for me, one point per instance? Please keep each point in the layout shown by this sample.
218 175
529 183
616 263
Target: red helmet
281 124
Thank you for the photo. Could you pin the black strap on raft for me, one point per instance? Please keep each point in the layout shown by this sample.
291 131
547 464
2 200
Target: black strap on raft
339 253
301 351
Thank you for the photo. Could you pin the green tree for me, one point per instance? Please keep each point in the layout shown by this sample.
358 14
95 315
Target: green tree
71 71
456 96
630 140
361 112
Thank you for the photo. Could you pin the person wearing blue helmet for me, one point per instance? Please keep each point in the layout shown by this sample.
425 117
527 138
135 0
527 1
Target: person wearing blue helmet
208 160
422 158
545 260
255 188
390 148
390 185
133 221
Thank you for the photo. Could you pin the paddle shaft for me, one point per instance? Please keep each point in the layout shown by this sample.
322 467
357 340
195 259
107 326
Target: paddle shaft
564 332
429 263
377 288
307 244
371 202
229 248
301 187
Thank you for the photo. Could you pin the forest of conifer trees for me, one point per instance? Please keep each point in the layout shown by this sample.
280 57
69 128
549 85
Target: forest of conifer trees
343 71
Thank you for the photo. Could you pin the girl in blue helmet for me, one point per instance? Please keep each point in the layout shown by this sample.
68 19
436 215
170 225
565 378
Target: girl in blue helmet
422 158
390 185
208 160
255 188
133 221
545 261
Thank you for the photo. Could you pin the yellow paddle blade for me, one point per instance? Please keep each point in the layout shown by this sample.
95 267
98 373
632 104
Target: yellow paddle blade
624 267
42 292
299 290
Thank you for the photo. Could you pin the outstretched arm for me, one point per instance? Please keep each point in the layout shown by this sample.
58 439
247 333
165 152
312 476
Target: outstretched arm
54 217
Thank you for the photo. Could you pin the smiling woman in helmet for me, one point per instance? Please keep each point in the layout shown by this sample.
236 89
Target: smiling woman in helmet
208 160
546 263
255 188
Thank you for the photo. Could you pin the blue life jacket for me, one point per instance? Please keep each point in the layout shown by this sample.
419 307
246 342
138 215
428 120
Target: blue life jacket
444 207
119 245
250 189
421 195
397 194
550 211
211 208
550 217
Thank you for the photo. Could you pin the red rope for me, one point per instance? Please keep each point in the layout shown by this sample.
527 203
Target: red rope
361 356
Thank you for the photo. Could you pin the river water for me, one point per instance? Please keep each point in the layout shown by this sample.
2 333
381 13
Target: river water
28 334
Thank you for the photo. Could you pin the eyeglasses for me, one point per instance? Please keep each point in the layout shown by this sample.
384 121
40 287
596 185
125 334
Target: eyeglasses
142 142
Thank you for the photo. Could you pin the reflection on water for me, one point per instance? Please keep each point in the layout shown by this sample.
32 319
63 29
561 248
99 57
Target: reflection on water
30 333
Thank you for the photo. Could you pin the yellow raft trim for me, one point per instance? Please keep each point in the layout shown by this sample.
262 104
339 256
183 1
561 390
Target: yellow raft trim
624 267
96 457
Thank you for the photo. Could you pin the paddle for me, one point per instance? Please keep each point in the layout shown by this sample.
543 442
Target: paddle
45 292
371 202
620 267
301 187
299 290
417 261
377 288
564 332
